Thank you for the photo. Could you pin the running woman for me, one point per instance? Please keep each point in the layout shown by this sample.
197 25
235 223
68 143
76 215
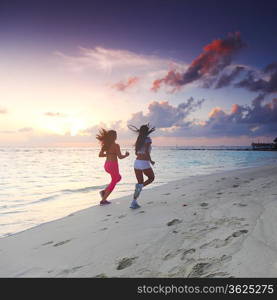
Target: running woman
143 162
111 151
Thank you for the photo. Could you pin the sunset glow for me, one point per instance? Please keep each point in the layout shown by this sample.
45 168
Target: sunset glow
71 75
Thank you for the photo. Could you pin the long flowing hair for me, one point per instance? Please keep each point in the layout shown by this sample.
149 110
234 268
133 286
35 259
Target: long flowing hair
106 138
142 132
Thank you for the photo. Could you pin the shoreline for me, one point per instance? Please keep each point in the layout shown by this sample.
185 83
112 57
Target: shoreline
130 195
221 231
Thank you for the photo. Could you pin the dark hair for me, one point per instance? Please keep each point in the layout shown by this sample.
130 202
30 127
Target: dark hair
143 133
106 138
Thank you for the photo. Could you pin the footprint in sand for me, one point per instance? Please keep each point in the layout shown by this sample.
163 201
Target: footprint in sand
47 243
217 243
202 268
204 204
102 229
187 252
240 204
229 221
68 271
166 194
218 275
172 254
239 233
125 262
61 243
219 193
102 275
122 216
235 185
173 222
150 202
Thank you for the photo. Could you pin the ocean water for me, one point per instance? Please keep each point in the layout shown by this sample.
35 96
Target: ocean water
38 185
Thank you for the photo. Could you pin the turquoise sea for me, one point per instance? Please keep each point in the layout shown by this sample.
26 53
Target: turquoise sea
39 185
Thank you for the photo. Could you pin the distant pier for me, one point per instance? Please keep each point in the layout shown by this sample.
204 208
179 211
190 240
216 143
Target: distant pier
254 147
264 146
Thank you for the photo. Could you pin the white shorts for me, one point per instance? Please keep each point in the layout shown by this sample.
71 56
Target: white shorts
142 164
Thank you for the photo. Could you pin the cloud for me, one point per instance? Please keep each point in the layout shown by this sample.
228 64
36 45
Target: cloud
3 110
107 60
25 129
164 115
215 57
7 131
260 113
54 114
226 79
257 119
118 126
122 86
267 84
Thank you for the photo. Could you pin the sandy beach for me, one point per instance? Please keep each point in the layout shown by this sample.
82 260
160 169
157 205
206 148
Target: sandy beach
220 225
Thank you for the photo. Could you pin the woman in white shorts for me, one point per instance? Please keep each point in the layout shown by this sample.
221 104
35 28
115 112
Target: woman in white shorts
143 162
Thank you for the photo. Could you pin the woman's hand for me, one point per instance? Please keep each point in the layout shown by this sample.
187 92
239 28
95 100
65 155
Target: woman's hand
102 153
127 153
152 162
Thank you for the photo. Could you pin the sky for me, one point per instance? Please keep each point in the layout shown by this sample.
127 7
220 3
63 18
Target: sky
201 72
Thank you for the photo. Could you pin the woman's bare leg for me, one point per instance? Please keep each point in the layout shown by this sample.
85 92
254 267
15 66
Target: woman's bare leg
139 175
106 195
150 174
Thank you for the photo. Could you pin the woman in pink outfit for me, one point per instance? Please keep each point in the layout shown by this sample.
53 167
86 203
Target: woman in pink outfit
111 151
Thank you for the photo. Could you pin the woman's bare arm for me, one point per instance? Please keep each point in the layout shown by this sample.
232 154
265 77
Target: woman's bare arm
119 154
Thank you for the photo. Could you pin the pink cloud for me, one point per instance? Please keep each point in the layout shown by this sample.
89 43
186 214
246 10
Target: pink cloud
122 86
214 58
3 110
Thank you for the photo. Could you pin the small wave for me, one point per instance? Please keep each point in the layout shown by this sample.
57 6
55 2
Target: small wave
12 205
69 191
12 212
45 199
84 190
